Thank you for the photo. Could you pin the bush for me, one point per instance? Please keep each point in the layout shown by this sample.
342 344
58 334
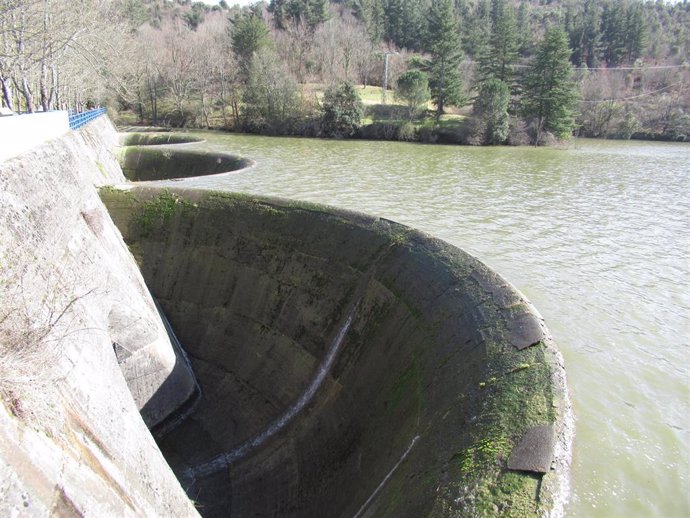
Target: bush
427 134
491 109
180 119
518 135
386 112
538 136
406 132
413 89
456 134
379 131
476 129
342 111
628 127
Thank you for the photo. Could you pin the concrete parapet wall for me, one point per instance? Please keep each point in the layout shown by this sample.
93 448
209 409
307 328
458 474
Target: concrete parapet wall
75 315
19 133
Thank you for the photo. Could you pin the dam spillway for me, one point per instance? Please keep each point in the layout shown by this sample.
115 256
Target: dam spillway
149 156
442 372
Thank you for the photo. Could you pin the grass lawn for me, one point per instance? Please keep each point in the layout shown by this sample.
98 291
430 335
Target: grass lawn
372 95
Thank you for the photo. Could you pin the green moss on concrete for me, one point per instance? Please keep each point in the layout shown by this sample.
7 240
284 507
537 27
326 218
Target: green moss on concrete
222 200
113 192
517 396
156 212
473 460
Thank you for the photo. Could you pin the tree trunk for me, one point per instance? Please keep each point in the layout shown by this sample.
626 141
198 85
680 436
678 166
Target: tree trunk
152 98
28 95
44 85
53 100
6 94
222 100
235 110
440 101
204 110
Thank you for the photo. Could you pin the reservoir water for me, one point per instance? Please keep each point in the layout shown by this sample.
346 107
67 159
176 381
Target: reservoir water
597 235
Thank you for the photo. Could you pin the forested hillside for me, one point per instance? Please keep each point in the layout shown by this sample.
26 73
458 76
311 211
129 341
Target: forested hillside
470 71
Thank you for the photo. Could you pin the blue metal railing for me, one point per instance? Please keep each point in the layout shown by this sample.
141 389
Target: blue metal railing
77 120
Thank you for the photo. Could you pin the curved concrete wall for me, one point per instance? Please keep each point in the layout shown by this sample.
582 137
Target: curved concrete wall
445 396
156 139
145 163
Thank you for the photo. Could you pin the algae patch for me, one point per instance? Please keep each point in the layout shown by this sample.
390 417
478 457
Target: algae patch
155 213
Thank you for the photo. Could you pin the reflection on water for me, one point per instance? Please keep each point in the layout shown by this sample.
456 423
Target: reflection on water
597 236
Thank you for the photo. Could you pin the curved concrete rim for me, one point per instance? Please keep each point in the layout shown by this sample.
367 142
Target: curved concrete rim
182 138
144 129
173 148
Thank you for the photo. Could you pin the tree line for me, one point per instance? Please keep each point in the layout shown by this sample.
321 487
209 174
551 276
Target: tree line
473 71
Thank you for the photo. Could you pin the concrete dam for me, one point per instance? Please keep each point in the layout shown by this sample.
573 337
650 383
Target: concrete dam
345 365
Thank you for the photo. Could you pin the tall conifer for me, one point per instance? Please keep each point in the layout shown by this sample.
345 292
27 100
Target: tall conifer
550 93
444 45
500 53
249 35
309 12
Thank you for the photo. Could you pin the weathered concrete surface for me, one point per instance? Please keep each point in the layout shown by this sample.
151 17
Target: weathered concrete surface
534 452
148 162
443 367
72 441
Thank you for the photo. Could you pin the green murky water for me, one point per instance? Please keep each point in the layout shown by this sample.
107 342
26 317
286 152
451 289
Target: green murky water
596 235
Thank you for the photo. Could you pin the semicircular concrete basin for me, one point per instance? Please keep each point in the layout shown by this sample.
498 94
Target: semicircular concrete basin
151 163
144 129
156 138
350 366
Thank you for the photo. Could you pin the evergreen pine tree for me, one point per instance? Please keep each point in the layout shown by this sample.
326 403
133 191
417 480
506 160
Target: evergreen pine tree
491 110
249 35
371 13
413 89
636 31
444 45
525 37
590 47
475 39
404 22
310 12
500 53
613 29
549 92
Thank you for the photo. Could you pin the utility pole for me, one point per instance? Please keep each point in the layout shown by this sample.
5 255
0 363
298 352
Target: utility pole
385 73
